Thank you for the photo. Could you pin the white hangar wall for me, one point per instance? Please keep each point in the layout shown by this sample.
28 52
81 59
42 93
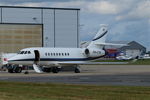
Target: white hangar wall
59 25
61 28
21 15
66 28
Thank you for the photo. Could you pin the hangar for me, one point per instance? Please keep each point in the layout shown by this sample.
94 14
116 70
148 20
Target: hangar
22 27
133 49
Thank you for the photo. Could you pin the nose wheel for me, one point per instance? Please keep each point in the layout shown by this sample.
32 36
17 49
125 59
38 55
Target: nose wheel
14 69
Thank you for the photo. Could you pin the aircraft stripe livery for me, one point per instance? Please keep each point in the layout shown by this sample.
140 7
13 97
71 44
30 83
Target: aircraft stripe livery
100 36
46 57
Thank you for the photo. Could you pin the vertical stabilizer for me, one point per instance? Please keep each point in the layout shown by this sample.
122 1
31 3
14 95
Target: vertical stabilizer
100 36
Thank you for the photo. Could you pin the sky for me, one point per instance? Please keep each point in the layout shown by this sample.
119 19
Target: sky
127 20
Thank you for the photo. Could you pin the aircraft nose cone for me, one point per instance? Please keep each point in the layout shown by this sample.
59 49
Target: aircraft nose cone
10 60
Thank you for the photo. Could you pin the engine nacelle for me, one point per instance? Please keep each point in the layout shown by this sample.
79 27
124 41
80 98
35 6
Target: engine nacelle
94 52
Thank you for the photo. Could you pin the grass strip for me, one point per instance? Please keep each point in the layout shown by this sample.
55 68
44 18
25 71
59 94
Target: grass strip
47 91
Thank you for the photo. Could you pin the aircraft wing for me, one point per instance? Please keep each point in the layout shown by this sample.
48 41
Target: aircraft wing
39 70
90 63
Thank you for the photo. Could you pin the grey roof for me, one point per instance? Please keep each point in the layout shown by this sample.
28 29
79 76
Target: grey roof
133 45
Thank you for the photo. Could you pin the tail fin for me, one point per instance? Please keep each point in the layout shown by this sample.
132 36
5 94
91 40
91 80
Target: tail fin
100 36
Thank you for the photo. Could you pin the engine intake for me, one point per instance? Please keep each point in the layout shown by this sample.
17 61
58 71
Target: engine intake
94 52
87 51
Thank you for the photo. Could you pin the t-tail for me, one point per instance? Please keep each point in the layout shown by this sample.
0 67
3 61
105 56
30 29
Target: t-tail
100 37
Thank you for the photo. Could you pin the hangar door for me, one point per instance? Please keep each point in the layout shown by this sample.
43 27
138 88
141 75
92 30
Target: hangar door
14 37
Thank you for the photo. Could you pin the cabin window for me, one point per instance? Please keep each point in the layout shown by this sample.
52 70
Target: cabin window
22 52
62 54
56 54
46 54
59 54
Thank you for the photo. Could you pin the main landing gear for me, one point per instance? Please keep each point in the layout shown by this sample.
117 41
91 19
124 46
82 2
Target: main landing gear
55 69
52 69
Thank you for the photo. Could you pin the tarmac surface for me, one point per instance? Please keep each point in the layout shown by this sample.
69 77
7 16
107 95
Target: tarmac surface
127 75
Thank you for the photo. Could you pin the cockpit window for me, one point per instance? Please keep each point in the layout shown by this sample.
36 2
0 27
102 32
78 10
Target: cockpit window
25 52
29 52
22 52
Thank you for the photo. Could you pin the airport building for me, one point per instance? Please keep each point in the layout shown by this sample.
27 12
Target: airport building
22 27
133 49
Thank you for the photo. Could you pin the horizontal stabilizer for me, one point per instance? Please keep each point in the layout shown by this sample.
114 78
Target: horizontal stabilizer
37 68
111 44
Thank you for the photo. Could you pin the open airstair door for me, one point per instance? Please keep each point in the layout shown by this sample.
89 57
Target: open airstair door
37 56
36 67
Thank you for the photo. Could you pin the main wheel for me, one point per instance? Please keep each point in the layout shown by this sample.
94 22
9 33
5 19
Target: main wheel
10 68
55 70
47 70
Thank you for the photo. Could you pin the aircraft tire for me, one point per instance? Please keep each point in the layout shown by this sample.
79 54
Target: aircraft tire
47 70
18 70
10 70
55 70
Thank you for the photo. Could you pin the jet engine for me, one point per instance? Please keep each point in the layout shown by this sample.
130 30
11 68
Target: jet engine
94 52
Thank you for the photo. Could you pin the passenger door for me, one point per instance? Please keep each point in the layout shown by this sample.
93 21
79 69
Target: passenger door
37 56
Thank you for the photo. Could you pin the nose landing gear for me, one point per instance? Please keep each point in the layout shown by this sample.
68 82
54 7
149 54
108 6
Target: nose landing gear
14 69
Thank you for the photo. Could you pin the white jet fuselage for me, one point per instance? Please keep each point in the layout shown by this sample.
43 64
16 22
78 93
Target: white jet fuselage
54 56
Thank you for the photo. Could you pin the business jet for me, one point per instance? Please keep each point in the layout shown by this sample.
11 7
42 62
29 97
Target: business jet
45 59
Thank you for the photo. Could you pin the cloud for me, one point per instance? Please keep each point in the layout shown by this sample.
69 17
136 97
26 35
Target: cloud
29 1
96 6
32 4
103 7
25 4
140 11
69 4
99 7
